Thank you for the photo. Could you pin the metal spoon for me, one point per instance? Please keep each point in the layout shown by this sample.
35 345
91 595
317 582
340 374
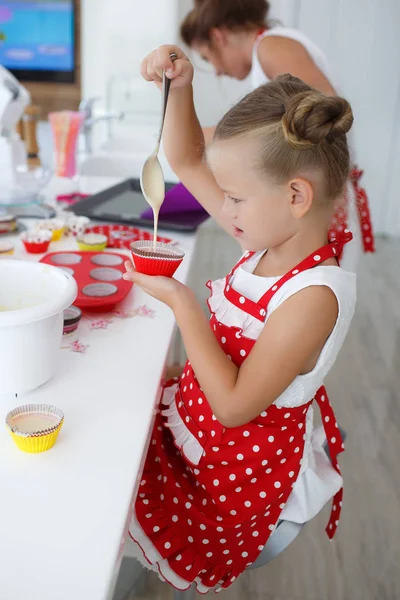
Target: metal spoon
152 177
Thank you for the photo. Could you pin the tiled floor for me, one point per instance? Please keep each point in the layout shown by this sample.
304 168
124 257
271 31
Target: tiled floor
363 563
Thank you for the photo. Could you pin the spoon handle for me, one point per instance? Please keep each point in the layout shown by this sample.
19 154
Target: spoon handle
166 84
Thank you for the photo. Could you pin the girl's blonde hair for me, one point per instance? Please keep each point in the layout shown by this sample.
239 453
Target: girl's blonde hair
298 129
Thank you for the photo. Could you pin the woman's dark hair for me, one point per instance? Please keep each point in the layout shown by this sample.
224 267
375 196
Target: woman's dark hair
236 15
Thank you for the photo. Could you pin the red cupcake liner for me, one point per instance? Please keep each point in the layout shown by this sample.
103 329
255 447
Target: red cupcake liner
36 247
72 316
164 260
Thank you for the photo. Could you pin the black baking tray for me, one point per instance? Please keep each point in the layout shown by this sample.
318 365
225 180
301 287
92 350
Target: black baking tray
124 203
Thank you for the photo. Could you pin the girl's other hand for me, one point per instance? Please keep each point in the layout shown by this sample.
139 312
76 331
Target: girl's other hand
180 71
164 289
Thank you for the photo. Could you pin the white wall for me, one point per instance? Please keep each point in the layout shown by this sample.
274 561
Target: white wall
361 40
116 35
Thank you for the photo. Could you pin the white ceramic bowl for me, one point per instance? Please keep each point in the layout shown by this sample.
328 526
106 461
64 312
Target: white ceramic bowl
33 297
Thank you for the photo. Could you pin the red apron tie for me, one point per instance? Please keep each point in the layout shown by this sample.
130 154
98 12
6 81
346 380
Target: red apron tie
364 213
336 446
339 221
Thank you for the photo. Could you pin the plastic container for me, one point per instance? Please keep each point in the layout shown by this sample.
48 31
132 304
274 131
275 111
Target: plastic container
33 297
161 260
25 190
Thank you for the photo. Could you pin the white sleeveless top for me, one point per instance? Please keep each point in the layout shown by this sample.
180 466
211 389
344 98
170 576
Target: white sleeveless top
318 481
258 77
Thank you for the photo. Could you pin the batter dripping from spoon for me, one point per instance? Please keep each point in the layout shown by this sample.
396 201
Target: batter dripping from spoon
152 177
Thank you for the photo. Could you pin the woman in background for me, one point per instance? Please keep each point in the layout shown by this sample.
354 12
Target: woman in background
237 38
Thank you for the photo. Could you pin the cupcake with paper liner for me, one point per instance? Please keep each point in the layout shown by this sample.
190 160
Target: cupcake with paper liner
6 249
92 242
56 226
76 225
35 427
8 224
159 259
72 316
36 242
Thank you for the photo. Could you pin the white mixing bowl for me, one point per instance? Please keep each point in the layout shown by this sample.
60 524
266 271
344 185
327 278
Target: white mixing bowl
33 297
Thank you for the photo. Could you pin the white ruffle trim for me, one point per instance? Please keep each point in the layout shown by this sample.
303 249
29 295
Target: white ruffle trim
231 315
184 439
141 548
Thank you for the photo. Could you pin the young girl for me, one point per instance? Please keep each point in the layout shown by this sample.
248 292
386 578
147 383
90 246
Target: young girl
237 39
233 449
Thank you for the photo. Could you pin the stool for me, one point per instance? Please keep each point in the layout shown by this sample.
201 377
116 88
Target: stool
284 534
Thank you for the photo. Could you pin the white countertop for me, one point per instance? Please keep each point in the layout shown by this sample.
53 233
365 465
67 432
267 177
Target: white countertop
64 513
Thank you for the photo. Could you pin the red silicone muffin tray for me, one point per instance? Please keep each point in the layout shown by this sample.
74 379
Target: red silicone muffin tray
98 275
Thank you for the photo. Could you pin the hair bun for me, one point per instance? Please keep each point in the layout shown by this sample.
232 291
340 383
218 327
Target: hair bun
311 118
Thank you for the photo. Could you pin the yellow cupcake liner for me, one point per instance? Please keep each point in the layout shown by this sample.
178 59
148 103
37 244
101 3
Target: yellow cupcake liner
91 247
7 252
92 242
40 440
36 444
57 234
55 226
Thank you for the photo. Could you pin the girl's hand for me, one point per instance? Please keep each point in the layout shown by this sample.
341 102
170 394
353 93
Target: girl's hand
180 71
165 289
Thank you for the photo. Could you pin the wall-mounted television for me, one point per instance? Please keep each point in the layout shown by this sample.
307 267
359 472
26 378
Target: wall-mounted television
37 39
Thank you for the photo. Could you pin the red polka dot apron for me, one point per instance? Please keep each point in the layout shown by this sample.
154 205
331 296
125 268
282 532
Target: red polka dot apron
209 512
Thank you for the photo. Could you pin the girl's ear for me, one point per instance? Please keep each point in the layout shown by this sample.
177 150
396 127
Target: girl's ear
301 196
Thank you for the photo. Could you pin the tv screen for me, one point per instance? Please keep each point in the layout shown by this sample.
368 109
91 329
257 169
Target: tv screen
37 39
